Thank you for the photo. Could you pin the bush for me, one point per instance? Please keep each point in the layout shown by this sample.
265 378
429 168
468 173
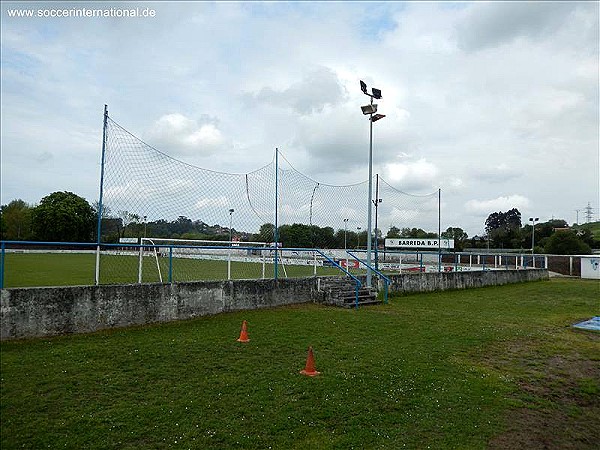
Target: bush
566 243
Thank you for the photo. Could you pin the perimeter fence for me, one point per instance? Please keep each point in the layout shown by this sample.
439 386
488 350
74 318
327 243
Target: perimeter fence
39 264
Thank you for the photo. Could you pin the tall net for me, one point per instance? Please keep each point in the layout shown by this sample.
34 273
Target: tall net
148 194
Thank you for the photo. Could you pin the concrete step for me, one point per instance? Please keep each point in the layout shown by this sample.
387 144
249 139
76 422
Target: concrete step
342 292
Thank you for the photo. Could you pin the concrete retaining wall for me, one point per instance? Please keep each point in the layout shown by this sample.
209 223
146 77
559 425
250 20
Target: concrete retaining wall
428 282
39 312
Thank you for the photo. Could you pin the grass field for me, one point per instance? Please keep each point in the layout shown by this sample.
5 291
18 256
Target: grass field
485 368
63 269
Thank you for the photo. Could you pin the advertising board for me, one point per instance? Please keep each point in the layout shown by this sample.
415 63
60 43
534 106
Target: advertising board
419 243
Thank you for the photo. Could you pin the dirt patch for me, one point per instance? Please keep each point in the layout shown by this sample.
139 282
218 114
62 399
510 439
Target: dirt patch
557 429
561 394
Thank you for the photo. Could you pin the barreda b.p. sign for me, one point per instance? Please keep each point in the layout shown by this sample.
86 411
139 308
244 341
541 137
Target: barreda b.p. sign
419 243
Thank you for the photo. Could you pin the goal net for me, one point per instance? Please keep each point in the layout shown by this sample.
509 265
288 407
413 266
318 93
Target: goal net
213 259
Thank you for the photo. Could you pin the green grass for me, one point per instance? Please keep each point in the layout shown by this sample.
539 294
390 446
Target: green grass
487 367
72 269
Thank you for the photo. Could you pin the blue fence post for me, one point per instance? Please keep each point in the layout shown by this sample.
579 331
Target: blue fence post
2 253
385 301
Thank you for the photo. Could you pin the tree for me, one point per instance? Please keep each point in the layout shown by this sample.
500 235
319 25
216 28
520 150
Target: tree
586 235
504 228
16 218
63 216
459 236
406 232
393 233
566 243
265 233
296 235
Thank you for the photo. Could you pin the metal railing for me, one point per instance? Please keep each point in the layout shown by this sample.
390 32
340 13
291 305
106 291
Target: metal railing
386 280
55 263
143 263
356 280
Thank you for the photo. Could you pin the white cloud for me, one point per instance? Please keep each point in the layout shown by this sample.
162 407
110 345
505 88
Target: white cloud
182 135
220 201
486 207
502 22
479 97
412 175
317 89
500 173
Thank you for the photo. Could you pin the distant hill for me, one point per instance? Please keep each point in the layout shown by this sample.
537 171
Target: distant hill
594 227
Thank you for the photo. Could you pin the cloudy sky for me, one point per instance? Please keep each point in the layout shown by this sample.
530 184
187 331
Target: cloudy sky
495 103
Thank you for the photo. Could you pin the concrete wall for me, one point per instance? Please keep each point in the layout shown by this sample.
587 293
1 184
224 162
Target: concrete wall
428 282
38 312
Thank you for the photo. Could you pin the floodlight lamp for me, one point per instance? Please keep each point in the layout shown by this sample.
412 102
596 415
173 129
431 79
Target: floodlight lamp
363 87
231 211
376 117
369 109
376 93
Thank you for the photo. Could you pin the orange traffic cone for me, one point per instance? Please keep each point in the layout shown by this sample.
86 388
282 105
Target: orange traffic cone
309 370
244 333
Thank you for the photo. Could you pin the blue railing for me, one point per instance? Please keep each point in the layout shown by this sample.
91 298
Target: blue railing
171 264
385 279
168 250
358 283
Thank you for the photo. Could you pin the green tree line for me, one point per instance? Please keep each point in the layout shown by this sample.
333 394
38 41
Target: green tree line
67 217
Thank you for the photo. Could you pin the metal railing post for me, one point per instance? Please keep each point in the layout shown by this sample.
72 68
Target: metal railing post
2 254
171 264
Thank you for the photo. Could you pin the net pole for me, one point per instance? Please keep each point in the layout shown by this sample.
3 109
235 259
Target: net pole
439 230
376 208
276 232
99 225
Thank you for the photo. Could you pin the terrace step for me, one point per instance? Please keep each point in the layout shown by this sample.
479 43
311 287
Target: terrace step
342 292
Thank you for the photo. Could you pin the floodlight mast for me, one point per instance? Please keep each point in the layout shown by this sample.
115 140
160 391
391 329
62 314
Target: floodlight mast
370 110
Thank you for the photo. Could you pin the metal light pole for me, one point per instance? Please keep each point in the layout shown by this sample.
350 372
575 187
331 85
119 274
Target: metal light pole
231 211
358 237
145 223
370 110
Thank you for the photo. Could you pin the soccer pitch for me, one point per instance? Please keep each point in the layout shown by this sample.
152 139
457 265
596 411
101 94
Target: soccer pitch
497 367
72 269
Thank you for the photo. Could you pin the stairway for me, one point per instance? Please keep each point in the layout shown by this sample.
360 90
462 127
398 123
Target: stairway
341 291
